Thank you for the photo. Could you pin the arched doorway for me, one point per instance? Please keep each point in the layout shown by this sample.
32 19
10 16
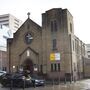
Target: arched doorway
28 65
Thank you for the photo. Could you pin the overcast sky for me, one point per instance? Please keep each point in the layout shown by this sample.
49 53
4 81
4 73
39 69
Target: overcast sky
78 8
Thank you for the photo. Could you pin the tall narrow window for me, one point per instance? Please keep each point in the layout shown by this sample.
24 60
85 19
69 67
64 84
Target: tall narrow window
51 26
58 66
55 25
73 46
28 53
55 67
41 67
70 27
51 67
54 44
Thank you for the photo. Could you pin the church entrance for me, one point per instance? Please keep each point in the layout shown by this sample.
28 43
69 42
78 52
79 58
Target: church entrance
28 66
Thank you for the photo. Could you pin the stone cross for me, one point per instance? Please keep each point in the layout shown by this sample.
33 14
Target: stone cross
28 14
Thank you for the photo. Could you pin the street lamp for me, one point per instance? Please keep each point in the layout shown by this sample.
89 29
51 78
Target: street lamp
13 68
35 69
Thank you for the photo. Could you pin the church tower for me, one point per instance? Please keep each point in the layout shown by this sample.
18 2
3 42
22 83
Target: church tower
57 31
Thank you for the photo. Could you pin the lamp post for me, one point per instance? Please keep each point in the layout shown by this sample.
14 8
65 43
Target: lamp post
35 71
12 78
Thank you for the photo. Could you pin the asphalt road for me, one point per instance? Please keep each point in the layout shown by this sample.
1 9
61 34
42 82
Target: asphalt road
78 85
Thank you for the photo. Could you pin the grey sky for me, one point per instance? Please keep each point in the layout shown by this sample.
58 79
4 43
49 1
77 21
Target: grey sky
78 8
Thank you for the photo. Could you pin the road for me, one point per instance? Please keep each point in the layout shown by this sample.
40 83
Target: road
79 85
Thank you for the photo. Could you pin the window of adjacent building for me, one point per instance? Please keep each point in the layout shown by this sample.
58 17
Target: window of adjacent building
16 27
4 17
73 46
88 56
16 24
76 46
54 42
70 27
4 21
74 67
6 24
88 51
16 20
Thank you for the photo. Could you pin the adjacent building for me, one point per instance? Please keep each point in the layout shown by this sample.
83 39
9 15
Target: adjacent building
8 25
5 33
87 62
88 50
51 50
10 21
3 59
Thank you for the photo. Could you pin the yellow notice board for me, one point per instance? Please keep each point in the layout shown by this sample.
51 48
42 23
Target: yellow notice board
52 56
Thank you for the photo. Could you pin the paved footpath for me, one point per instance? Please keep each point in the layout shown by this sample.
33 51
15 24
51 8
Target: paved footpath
79 85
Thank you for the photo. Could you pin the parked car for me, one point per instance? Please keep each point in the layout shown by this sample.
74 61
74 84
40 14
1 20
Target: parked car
5 79
16 80
37 81
2 72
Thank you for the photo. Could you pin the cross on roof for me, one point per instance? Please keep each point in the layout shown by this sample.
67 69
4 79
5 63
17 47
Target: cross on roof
28 14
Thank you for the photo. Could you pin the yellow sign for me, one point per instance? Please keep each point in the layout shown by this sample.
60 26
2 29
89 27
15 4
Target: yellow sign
52 56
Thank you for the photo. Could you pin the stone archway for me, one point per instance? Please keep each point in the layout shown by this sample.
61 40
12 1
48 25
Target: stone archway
28 65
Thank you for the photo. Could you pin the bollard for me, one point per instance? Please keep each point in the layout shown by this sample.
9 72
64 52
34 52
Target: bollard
65 80
34 85
24 85
23 82
53 82
11 84
74 79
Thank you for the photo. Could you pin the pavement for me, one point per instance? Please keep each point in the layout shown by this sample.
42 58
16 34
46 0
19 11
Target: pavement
78 85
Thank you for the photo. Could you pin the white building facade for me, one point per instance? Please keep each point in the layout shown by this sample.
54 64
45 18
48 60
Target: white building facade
10 21
5 33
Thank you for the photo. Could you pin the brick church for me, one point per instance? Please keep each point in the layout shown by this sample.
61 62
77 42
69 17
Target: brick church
50 49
